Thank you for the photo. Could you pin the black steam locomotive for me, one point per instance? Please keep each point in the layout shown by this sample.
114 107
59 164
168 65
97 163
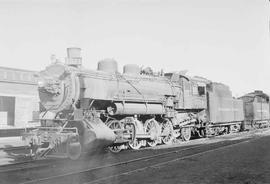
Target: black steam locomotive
89 109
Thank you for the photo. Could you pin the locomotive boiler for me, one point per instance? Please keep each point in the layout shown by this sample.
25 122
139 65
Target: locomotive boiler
84 110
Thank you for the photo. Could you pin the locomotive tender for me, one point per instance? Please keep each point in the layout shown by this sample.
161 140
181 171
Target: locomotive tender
84 110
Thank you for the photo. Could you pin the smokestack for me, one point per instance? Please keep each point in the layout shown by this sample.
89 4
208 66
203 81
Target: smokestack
74 57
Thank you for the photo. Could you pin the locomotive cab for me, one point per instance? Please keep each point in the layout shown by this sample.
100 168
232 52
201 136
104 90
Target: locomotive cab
190 92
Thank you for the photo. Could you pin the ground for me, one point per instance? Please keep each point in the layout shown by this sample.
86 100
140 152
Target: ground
246 163
238 158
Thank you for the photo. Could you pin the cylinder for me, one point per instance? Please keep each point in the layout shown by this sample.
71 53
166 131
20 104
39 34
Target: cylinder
108 65
98 136
131 69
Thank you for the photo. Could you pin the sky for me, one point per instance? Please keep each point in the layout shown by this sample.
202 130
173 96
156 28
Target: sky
224 41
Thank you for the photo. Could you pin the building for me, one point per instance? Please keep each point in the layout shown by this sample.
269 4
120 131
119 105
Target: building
19 103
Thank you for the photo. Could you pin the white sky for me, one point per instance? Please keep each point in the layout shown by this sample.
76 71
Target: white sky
223 40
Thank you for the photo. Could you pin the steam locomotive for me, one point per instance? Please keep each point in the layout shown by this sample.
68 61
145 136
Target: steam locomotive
84 110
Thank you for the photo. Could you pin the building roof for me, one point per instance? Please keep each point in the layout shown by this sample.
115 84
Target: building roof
15 75
16 69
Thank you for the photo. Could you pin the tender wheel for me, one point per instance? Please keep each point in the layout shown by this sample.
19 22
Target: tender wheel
228 129
203 132
186 133
234 128
253 124
114 125
267 124
152 128
243 126
167 132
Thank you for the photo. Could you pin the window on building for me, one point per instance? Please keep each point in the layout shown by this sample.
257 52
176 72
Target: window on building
25 77
17 76
10 75
2 74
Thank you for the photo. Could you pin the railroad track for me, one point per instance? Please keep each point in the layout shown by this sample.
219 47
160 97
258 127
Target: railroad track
37 164
96 174
158 165
29 164
23 168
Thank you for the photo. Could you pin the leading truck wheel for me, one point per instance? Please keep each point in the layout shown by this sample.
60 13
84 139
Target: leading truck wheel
186 133
115 148
74 148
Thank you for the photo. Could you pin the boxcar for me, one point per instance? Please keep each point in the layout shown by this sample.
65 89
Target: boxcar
256 108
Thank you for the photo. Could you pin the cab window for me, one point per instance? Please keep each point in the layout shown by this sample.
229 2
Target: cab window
201 90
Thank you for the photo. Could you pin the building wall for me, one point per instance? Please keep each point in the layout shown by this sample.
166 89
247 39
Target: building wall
7 109
19 103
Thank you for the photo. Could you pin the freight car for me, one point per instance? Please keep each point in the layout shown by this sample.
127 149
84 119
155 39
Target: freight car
90 109
256 108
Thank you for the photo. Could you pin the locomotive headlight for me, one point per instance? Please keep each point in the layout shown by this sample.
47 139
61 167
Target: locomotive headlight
41 84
